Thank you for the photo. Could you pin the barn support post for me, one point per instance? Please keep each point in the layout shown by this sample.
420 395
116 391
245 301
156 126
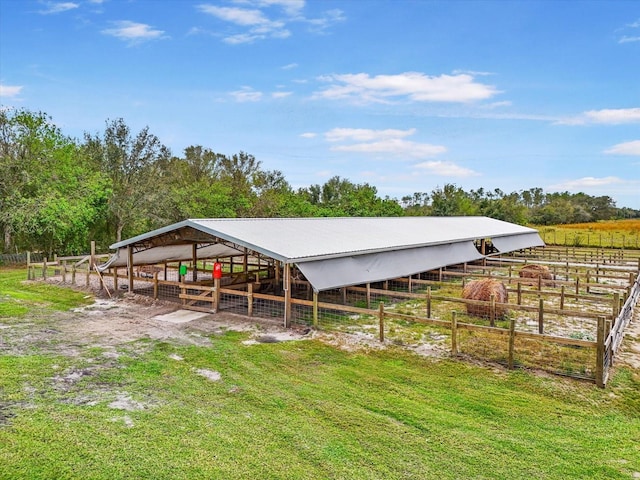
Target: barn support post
216 295
410 285
454 334
155 285
194 256
130 267
368 295
245 260
315 309
250 300
381 321
344 295
287 295
512 341
600 353
429 301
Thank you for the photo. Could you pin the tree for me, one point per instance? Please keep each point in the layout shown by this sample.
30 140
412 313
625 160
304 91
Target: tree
132 165
50 197
451 200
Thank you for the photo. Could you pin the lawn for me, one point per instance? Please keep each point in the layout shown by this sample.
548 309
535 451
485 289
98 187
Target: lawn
299 409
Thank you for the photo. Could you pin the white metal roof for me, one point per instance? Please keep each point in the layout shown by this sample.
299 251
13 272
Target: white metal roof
296 240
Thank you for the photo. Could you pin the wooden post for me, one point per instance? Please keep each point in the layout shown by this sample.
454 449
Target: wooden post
454 334
539 282
63 268
245 260
216 295
87 279
429 301
194 256
381 320
92 258
44 269
410 286
616 305
577 285
512 341
250 300
492 310
115 279
368 295
73 275
587 280
510 274
155 285
519 293
541 317
287 295
600 353
344 295
440 274
179 268
165 271
315 309
562 297
386 285
29 265
130 267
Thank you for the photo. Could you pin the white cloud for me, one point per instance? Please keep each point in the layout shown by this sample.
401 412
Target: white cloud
586 183
259 25
627 39
281 94
415 86
610 116
365 135
445 169
322 24
626 148
10 91
290 66
394 146
239 16
309 135
58 7
246 94
133 32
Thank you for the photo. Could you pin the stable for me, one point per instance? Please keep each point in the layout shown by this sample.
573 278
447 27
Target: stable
290 259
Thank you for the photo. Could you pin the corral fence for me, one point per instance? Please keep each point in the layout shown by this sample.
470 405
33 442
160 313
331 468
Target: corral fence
20 258
415 310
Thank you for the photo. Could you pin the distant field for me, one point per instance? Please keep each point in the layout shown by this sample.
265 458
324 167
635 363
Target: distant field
612 233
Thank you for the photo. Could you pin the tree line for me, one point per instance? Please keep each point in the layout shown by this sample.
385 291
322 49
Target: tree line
57 192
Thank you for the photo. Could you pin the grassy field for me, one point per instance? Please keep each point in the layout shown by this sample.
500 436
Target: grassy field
298 409
612 233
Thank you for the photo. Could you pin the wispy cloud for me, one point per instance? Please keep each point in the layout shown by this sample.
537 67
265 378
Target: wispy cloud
414 86
289 66
445 169
133 32
632 37
246 94
626 148
10 91
586 183
58 7
388 142
281 94
309 135
611 116
263 19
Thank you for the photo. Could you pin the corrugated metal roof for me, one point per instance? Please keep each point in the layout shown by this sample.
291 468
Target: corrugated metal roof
307 239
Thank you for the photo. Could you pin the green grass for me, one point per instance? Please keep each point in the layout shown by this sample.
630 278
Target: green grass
18 297
304 410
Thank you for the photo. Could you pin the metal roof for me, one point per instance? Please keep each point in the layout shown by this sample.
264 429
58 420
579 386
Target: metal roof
296 240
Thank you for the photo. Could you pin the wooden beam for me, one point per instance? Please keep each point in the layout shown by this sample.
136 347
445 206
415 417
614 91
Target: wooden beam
130 267
194 255
287 295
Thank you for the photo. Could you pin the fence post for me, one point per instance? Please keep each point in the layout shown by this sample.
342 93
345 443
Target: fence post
63 269
73 274
600 353
29 265
519 293
512 339
44 269
454 334
562 297
492 310
541 317
429 301
381 318
250 300
616 305
577 285
92 259
315 309
368 295
115 279
155 285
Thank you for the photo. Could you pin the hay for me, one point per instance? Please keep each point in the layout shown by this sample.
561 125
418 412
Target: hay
536 272
482 290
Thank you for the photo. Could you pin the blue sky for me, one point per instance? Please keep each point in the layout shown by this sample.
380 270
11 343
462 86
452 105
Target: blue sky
404 95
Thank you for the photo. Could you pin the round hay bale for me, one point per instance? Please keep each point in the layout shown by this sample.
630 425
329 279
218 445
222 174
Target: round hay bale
482 290
536 272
